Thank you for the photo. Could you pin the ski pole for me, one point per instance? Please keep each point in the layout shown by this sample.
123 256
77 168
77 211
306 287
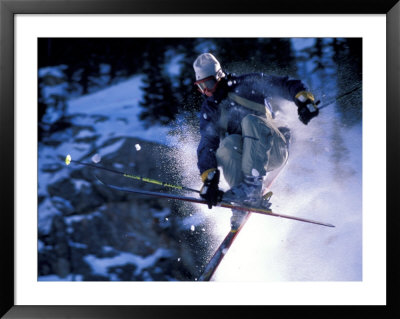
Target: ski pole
337 98
69 160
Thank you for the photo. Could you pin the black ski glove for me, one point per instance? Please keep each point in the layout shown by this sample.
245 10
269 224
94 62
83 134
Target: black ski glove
306 106
210 191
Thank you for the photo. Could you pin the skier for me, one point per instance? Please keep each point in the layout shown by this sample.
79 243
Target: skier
238 132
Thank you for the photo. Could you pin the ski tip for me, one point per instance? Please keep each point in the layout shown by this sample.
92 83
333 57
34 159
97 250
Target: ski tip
326 224
68 159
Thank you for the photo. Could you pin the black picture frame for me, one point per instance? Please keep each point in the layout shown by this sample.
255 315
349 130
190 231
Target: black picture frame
8 10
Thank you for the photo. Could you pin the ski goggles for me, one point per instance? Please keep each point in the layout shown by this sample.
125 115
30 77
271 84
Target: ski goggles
209 84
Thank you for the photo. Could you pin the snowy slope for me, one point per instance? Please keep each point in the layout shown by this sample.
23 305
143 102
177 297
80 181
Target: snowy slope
120 104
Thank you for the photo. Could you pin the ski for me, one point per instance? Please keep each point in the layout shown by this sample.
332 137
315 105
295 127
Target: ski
262 211
222 249
219 254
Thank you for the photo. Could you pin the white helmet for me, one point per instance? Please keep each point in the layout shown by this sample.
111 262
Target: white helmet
207 65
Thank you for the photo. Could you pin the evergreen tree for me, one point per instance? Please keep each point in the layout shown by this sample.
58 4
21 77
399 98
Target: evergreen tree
348 59
188 95
159 103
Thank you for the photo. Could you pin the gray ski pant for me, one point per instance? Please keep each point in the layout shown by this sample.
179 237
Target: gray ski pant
261 148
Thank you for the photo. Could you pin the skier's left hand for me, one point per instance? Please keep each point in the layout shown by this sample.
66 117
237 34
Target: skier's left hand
210 191
306 106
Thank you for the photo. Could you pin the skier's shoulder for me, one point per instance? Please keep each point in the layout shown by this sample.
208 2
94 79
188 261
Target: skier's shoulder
252 79
252 76
248 82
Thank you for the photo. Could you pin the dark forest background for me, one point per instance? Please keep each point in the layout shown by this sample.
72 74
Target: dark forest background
166 95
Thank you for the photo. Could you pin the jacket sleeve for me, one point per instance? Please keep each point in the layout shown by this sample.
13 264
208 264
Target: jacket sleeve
209 140
276 86
286 87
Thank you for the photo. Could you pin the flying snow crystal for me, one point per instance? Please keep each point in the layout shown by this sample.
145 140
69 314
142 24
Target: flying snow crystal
232 103
138 147
254 172
237 91
235 147
253 92
224 251
229 83
205 116
96 158
192 228
179 259
166 218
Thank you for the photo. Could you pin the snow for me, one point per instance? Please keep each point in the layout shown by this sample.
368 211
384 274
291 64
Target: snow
174 66
100 266
120 104
79 183
302 43
77 245
107 249
41 245
96 158
47 211
112 148
56 72
49 92
70 277
69 220
316 186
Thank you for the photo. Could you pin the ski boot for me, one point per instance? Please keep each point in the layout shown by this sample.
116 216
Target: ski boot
247 193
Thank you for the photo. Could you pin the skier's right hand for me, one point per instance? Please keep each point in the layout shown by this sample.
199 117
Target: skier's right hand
210 191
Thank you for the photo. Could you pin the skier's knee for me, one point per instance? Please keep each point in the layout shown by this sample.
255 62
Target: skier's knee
230 144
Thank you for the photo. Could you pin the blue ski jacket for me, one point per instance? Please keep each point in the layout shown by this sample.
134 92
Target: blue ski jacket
221 115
